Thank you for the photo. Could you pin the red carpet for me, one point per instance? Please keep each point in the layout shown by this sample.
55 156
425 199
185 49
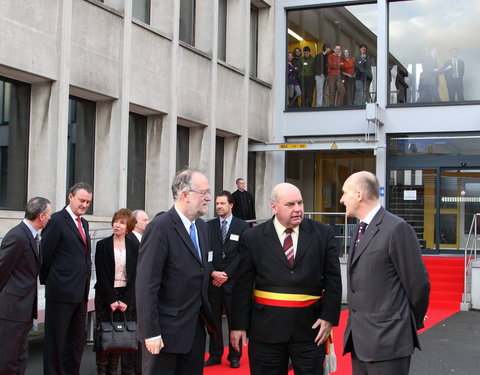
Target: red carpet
446 278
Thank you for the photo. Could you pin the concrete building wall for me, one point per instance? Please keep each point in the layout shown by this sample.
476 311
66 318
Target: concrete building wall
97 51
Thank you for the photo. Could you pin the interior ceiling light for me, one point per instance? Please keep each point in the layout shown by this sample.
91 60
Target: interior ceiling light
295 35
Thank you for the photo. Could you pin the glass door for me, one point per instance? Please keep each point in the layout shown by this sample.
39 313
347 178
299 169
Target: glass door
459 201
412 197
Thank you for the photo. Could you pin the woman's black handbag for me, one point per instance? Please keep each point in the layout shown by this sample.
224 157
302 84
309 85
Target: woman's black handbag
119 336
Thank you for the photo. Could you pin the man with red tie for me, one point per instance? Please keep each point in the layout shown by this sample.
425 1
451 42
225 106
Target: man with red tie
66 273
288 289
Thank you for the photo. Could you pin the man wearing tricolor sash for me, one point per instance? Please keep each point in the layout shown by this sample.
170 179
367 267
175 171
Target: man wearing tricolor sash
288 292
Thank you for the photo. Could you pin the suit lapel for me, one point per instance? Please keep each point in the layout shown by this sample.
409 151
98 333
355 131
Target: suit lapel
71 224
33 243
304 240
216 228
370 232
272 241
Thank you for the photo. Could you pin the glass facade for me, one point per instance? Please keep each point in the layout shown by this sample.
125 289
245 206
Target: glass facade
137 161
434 46
183 146
331 58
434 184
81 143
14 129
187 21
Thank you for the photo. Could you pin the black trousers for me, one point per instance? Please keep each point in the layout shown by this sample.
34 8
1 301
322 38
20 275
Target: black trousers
190 363
272 359
64 337
220 299
13 347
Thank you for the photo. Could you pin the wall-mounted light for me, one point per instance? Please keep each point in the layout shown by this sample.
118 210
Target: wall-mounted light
295 35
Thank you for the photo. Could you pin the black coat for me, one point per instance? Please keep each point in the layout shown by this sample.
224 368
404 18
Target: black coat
67 264
225 255
19 267
263 265
172 282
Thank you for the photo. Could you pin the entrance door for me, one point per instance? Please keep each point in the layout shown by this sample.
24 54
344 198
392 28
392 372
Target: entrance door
412 197
459 201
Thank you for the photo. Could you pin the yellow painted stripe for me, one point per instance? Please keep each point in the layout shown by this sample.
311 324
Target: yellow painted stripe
284 296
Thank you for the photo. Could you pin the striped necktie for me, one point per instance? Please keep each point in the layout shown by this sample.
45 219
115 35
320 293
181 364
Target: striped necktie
224 230
288 246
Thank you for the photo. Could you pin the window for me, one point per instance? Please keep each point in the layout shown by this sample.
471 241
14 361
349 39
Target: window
14 128
183 144
253 40
141 10
81 142
222 30
137 161
219 161
434 51
331 56
187 21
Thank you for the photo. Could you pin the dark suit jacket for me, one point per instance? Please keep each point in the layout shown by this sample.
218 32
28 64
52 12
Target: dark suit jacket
105 270
388 291
240 210
229 263
67 265
133 238
263 265
448 73
19 267
172 282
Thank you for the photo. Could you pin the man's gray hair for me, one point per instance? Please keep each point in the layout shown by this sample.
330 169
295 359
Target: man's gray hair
35 207
79 186
183 182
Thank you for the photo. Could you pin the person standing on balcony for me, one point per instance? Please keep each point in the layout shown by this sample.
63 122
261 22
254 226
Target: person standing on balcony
363 77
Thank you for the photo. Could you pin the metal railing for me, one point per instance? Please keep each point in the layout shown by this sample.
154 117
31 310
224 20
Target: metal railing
470 254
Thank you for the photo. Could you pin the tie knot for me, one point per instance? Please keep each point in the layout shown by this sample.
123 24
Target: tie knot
224 222
288 231
362 226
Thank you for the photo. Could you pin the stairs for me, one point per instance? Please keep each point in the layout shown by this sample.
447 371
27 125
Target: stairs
446 278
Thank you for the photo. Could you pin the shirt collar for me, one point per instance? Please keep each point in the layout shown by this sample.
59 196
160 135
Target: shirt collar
280 229
69 210
368 219
32 229
228 219
186 222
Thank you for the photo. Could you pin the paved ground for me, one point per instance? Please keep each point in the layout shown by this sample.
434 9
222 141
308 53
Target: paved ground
450 347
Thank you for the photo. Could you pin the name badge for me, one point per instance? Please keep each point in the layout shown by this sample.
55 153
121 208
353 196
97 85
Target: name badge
234 237
210 256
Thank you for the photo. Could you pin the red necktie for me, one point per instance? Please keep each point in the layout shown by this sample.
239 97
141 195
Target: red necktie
288 246
80 229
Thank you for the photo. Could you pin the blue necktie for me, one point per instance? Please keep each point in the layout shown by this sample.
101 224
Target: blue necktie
193 237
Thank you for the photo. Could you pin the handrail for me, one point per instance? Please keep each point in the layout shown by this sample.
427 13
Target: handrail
469 256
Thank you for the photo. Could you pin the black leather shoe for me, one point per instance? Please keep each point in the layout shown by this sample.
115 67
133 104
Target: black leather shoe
212 362
234 363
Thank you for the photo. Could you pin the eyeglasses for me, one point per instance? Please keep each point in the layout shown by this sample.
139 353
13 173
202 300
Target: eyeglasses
202 193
